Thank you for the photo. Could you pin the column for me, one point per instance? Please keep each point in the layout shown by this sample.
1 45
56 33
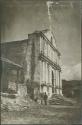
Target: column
54 79
43 72
40 72
50 75
59 82
46 72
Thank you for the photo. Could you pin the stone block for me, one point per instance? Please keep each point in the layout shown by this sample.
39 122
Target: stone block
22 90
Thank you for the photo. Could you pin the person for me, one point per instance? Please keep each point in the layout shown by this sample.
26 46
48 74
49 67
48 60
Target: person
41 98
45 98
36 99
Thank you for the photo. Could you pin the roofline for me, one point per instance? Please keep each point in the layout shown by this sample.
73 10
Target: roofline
49 41
41 32
14 41
38 31
10 62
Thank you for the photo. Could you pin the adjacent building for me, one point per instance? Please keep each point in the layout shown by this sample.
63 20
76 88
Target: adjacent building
37 59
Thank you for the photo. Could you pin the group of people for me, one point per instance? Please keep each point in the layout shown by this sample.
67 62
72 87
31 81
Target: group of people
43 98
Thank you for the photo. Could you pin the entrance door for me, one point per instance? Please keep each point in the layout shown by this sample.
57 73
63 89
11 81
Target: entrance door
52 82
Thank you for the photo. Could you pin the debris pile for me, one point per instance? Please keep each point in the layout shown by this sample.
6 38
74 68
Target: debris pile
17 103
60 100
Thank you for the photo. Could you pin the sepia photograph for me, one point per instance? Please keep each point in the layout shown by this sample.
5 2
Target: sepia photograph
40 62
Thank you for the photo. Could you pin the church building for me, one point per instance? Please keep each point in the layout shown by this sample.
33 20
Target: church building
33 63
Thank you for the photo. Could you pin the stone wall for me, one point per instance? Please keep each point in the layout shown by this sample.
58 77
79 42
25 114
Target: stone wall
25 53
22 90
35 51
4 84
14 51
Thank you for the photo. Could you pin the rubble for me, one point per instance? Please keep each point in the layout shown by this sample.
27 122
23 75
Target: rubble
19 103
61 100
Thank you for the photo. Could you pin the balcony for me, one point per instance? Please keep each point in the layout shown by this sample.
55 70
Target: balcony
47 59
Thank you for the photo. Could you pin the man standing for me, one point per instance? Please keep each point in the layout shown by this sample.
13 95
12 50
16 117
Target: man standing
41 97
45 98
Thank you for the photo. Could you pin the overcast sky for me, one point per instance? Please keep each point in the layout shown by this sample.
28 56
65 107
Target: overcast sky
21 17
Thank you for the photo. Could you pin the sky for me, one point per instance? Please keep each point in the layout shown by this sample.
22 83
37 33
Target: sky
21 17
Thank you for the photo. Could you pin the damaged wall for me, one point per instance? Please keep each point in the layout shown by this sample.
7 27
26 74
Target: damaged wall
14 51
35 65
25 53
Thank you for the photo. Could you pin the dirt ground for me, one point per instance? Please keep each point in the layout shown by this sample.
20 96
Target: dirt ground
43 115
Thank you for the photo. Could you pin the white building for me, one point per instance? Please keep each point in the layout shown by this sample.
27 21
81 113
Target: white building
50 70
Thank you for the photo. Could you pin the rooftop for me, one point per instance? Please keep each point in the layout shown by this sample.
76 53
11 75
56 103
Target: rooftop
10 62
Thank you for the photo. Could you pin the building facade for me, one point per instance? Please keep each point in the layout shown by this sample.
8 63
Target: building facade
50 70
40 60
